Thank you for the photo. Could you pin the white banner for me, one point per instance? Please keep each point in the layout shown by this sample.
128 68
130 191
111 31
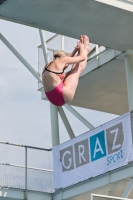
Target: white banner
93 153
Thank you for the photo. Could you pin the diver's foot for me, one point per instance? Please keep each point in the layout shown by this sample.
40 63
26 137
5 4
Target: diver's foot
86 43
81 38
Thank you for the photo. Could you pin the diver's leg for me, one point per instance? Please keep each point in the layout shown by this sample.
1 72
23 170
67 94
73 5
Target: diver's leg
71 80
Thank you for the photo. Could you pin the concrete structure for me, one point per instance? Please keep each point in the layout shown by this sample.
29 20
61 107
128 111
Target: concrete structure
106 84
105 24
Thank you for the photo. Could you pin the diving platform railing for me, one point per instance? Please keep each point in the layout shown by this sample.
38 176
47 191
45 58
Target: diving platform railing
25 167
95 51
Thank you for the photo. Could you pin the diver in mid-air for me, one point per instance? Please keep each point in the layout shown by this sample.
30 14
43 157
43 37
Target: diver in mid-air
58 86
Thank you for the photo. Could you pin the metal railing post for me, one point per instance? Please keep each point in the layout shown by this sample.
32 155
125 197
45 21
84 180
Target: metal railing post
50 39
25 173
97 49
62 42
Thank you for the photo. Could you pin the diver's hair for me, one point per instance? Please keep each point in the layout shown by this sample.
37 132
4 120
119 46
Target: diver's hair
60 54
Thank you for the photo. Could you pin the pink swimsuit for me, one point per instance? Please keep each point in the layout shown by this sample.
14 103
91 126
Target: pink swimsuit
55 96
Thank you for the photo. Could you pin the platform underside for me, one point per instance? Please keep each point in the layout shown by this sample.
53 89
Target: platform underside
116 189
104 89
104 24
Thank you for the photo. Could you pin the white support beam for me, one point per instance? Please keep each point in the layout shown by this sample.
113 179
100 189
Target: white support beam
66 122
82 119
54 125
129 78
128 189
44 46
53 109
17 54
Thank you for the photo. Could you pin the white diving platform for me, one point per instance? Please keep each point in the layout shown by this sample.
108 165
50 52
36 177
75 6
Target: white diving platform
102 86
104 24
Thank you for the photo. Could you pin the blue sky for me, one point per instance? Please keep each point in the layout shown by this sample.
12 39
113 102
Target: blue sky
24 117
